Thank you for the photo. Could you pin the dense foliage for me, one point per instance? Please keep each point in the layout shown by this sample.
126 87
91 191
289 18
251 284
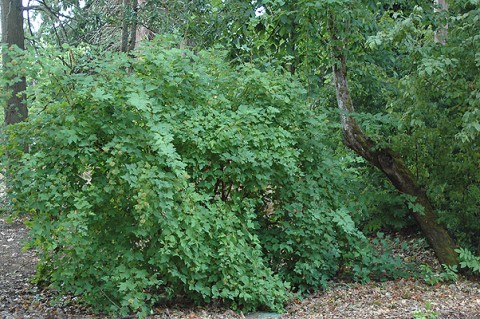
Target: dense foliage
435 105
217 172
411 94
173 174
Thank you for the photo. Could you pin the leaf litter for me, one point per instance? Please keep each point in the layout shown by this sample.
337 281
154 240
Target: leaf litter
402 298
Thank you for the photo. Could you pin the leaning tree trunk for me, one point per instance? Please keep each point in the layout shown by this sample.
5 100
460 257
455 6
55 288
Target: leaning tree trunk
13 34
391 165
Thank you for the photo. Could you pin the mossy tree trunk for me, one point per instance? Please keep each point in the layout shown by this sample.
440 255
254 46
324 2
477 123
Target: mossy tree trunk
391 164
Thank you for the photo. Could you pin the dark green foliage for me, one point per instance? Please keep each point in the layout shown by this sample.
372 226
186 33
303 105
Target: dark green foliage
438 115
432 278
171 174
375 261
469 261
174 174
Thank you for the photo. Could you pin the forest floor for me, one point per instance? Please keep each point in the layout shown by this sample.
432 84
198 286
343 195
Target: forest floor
402 299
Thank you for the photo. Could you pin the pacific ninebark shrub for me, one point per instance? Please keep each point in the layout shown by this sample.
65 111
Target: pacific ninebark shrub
174 174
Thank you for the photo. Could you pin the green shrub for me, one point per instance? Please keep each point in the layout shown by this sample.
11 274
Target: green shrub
117 217
173 174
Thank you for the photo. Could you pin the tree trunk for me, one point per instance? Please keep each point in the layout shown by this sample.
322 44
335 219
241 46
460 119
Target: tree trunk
142 32
441 33
125 23
133 26
133 33
391 165
13 34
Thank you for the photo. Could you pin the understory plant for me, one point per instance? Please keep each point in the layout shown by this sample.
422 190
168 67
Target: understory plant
427 313
468 260
431 277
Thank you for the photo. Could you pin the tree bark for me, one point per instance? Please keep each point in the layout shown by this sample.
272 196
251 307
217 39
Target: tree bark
133 26
13 34
125 24
133 33
391 165
441 34
142 32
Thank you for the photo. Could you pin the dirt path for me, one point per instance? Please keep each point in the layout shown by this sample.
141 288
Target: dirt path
402 299
16 267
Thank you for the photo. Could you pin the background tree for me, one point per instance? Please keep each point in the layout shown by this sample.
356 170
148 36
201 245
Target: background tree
114 25
13 36
385 159
442 32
